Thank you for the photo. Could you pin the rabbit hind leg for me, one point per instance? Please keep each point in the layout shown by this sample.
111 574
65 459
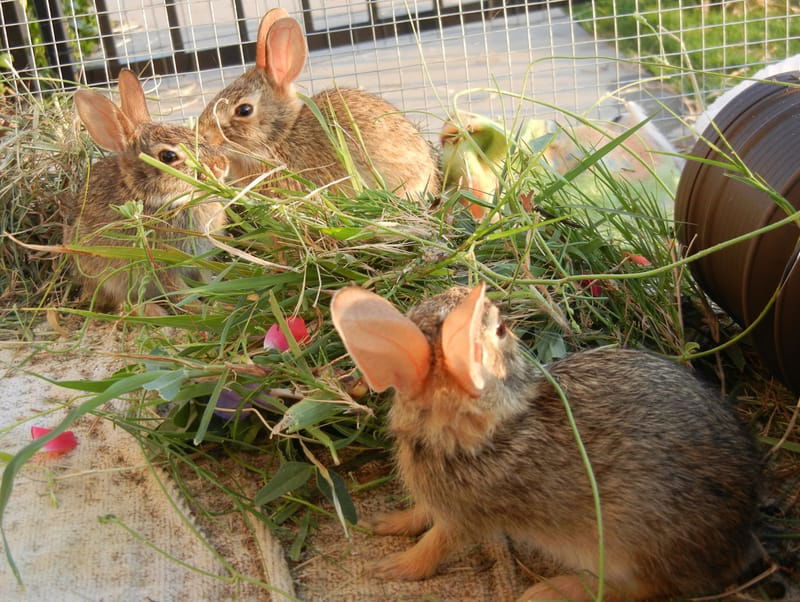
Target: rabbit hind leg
575 588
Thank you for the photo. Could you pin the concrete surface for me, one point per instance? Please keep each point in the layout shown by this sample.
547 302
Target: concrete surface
542 54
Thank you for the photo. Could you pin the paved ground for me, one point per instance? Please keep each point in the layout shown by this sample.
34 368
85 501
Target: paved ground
542 54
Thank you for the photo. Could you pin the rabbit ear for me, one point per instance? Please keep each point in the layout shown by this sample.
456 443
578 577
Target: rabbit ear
388 347
462 350
286 53
107 124
263 30
132 100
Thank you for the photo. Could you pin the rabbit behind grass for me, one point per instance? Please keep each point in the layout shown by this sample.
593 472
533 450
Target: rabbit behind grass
128 131
263 124
484 447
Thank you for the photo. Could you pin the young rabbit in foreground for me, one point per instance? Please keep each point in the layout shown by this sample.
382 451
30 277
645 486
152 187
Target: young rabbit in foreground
128 131
260 114
484 446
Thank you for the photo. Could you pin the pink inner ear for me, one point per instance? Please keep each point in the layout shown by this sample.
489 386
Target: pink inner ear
387 347
267 22
461 346
107 125
286 52
132 99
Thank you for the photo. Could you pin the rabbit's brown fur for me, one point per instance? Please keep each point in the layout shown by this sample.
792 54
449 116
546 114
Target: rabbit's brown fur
676 470
283 131
124 177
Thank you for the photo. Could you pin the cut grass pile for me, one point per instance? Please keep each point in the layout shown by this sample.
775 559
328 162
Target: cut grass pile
712 37
565 282
43 162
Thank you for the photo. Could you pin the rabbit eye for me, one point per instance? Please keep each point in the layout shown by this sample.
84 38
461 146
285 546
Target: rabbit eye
167 156
244 110
501 330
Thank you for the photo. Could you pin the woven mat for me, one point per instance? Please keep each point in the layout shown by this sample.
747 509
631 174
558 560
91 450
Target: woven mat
335 569
154 548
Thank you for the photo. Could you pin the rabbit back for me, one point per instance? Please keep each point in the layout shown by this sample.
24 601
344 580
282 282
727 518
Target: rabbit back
381 141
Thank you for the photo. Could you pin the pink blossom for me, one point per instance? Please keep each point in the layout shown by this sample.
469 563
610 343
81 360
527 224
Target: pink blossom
593 286
637 259
65 442
274 338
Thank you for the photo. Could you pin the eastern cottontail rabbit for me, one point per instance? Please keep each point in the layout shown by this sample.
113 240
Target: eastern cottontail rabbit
484 447
263 124
128 131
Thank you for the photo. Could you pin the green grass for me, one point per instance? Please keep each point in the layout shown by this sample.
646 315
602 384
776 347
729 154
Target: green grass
732 37
292 252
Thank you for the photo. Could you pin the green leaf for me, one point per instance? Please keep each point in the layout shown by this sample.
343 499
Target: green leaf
168 385
210 407
89 386
342 233
300 540
333 487
6 61
193 322
307 412
290 476
121 387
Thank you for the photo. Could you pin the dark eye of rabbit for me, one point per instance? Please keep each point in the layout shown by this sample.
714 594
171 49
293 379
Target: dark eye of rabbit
167 156
244 110
501 330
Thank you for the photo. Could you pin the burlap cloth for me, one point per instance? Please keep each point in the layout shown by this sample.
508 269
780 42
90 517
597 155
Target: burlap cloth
157 546
334 569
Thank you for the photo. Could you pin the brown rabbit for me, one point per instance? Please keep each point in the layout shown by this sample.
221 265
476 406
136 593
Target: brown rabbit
484 447
128 131
264 124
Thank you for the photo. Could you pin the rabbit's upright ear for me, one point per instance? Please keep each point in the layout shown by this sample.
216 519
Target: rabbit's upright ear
267 21
387 347
132 100
461 342
286 52
107 124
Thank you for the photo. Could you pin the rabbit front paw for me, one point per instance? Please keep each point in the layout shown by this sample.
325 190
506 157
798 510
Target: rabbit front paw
418 562
410 522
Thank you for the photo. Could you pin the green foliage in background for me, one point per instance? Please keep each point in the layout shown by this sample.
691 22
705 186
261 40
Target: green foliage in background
697 34
80 22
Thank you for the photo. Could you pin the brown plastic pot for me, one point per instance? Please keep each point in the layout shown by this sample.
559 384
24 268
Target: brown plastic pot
762 124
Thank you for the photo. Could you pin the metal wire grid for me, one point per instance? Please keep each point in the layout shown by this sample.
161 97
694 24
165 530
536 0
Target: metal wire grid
537 48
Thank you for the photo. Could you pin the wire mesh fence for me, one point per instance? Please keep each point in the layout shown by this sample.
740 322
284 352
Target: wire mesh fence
418 54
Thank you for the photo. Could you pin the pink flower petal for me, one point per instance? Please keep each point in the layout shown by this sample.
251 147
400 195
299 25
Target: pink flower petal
66 441
637 259
274 338
593 286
